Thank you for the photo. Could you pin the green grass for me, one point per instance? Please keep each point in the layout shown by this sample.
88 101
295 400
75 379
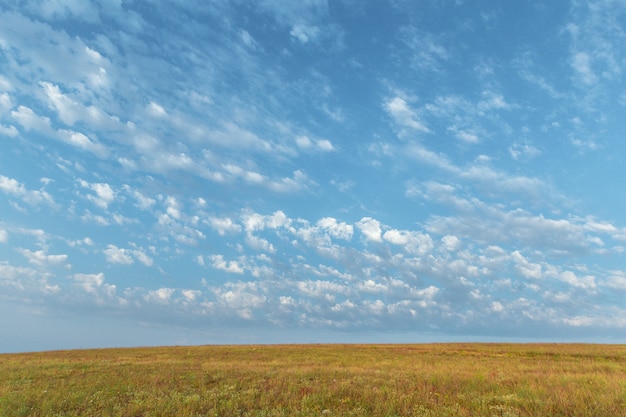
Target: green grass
502 380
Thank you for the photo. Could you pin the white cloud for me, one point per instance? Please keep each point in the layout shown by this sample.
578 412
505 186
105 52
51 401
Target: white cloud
425 51
143 202
94 284
523 150
304 142
525 267
69 110
396 237
501 182
253 222
191 295
160 296
235 136
581 63
299 181
287 13
248 176
466 136
451 243
30 121
473 246
242 298
142 257
587 282
233 267
429 157
323 145
5 103
42 259
616 280
81 141
584 144
224 225
370 228
260 244
9 131
321 289
104 193
62 10
11 186
404 116
34 197
304 33
338 230
117 255
173 207
414 242
156 110
492 101
24 282
247 39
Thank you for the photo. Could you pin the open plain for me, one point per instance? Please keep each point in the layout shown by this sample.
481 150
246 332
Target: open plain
319 380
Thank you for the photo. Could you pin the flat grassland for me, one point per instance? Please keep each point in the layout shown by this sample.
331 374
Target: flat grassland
319 380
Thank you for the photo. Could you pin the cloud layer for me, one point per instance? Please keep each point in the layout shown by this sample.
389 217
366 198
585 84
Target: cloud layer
352 168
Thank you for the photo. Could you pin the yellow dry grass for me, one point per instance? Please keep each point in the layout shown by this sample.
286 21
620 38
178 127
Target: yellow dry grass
319 380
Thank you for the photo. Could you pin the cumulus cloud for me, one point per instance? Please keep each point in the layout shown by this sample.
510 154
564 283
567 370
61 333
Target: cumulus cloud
104 193
413 241
323 145
42 259
13 187
142 257
486 223
27 118
224 225
143 202
117 255
242 298
81 141
94 284
219 262
338 230
160 296
370 228
5 103
9 131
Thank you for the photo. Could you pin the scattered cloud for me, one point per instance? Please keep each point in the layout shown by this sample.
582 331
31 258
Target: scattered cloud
370 228
293 171
14 188
42 259
404 117
117 255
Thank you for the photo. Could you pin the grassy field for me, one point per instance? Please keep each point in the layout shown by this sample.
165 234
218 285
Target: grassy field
319 380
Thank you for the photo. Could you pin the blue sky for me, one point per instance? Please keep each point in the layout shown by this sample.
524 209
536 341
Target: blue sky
190 172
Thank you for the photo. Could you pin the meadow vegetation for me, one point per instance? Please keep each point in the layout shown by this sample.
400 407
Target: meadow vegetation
502 380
